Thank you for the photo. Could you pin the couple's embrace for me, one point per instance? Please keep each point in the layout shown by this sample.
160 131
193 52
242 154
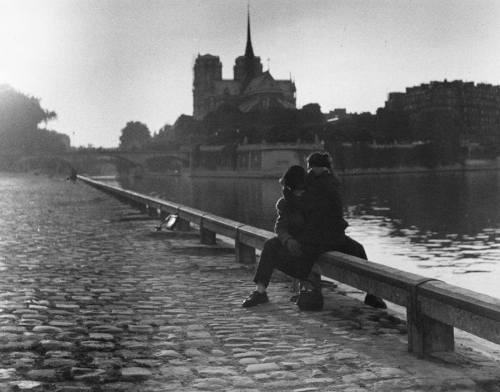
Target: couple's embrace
310 222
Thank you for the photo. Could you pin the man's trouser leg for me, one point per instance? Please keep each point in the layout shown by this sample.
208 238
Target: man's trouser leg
354 248
313 281
276 256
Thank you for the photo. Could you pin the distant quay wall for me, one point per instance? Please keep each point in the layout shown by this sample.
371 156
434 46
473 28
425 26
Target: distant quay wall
245 161
472 165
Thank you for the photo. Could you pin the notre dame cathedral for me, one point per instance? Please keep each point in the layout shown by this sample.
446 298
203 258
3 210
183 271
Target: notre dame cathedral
251 89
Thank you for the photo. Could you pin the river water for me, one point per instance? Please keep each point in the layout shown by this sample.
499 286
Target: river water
440 225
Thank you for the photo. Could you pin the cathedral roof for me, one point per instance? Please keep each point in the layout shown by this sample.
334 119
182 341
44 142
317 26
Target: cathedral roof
258 103
287 86
263 83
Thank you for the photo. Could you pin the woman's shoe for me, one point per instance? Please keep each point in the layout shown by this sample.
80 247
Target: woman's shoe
255 299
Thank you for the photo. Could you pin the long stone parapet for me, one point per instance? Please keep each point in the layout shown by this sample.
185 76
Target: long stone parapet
433 307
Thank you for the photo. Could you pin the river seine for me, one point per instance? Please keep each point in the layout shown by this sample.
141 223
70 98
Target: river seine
440 225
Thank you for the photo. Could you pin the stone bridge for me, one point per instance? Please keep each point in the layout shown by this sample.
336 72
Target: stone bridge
101 160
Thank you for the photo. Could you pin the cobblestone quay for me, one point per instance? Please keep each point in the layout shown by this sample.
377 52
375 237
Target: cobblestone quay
92 299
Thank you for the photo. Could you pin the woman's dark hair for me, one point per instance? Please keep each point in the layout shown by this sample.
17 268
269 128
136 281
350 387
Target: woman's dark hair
294 177
319 159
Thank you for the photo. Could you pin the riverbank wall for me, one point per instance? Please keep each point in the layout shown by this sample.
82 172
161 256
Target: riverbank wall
441 305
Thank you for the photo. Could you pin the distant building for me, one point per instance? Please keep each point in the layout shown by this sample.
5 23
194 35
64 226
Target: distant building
476 107
336 114
249 159
250 89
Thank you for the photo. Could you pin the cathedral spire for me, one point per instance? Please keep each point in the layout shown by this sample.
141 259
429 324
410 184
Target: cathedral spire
249 50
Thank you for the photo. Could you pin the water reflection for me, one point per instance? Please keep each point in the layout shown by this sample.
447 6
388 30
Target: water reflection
442 225
249 201
466 203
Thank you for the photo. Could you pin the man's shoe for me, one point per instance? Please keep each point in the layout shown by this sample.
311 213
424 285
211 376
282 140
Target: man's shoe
375 302
255 299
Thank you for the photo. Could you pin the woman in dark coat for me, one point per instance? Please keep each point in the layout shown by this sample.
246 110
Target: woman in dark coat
284 251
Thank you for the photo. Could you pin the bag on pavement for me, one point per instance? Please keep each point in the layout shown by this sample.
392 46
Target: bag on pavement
311 300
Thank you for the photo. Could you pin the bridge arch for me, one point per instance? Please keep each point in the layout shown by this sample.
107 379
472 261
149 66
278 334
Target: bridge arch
94 162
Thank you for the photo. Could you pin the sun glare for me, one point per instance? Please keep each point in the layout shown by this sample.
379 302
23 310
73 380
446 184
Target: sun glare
26 40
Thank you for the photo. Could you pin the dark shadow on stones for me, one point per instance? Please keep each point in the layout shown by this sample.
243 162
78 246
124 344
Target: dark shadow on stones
136 218
203 250
223 268
95 200
171 234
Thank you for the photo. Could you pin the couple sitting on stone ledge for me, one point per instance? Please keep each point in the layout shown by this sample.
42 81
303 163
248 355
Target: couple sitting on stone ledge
310 222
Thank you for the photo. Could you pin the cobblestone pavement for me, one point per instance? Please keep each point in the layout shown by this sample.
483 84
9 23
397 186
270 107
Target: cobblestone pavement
91 299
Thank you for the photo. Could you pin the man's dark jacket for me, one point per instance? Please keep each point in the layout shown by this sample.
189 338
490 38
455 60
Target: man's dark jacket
323 211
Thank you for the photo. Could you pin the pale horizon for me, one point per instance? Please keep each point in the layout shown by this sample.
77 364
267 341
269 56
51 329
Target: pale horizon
101 63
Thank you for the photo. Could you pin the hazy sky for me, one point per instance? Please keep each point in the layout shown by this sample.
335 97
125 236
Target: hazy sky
101 63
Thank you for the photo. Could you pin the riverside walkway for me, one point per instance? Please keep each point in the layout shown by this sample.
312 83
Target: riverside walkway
92 299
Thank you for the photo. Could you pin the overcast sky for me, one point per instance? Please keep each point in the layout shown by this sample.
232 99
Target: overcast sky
101 63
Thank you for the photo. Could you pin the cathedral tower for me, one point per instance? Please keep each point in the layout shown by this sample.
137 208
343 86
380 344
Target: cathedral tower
247 66
207 71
